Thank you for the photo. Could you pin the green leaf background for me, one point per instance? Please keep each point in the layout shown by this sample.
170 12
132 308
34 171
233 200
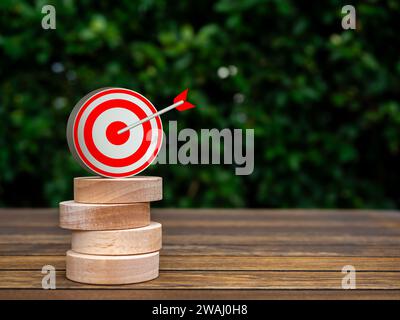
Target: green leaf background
323 101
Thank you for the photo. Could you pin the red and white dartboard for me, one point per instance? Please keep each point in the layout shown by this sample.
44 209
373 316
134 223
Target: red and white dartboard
93 138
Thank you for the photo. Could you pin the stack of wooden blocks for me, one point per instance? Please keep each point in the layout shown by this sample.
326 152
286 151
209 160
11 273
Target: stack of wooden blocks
113 238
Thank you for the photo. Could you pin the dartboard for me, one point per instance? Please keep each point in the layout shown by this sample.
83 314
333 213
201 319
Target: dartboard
93 138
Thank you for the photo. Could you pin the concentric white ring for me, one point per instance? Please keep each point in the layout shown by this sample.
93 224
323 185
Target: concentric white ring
77 126
106 147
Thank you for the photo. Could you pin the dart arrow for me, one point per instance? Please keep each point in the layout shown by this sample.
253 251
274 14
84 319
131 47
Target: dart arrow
180 104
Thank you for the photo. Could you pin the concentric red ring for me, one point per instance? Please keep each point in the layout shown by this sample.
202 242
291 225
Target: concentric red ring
112 133
144 146
112 162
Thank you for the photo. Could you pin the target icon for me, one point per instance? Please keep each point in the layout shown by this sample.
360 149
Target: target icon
116 132
94 138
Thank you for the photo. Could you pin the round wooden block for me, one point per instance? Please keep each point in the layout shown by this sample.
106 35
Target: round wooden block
123 190
94 269
118 242
82 216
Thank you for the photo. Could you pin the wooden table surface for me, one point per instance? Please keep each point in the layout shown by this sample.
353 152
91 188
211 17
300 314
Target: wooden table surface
221 254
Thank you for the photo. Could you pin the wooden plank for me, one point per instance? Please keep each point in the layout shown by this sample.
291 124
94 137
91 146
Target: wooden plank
41 221
226 240
296 280
289 250
190 217
222 254
35 249
194 219
267 232
221 263
243 239
382 223
232 214
317 233
281 214
188 294
278 250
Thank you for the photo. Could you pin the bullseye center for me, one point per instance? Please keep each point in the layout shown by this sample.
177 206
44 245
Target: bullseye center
112 133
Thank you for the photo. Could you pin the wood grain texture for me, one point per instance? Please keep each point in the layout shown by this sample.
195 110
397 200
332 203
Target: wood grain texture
211 280
124 190
189 294
278 233
227 263
83 216
222 254
107 270
118 242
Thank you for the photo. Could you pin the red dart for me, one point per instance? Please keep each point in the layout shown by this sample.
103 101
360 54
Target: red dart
182 97
180 104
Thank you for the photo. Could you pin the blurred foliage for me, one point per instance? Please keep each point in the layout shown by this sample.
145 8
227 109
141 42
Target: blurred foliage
324 102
